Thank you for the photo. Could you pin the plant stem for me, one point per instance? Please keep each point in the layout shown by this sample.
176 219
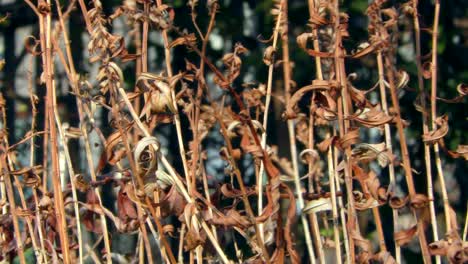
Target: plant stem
292 136
333 182
167 56
343 109
265 119
388 144
46 46
465 229
175 178
405 156
440 172
74 81
43 258
427 151
11 200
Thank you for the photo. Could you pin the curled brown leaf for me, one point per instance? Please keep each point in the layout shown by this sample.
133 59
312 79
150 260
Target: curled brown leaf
269 55
404 236
317 85
440 132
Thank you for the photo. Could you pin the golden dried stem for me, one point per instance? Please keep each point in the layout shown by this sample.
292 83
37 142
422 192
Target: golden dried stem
438 162
427 151
388 144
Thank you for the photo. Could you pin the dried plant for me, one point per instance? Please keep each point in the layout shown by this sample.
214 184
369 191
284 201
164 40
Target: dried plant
329 180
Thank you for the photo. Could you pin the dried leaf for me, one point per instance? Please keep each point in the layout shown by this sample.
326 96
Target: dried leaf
194 239
419 201
373 117
361 242
308 156
426 68
439 248
319 205
384 257
348 139
232 219
398 202
317 85
462 151
404 236
364 201
326 143
302 40
269 55
189 40
363 49
364 152
172 203
228 191
440 132
81 184
146 158
126 207
289 221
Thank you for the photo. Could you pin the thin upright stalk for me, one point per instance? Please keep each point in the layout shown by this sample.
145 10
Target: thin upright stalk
265 118
196 158
312 6
46 46
291 131
3 197
73 186
405 156
29 224
313 216
245 198
167 57
465 229
11 200
438 162
144 48
180 255
389 67
144 68
176 180
31 160
138 67
334 164
74 80
427 151
343 109
388 144
332 180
